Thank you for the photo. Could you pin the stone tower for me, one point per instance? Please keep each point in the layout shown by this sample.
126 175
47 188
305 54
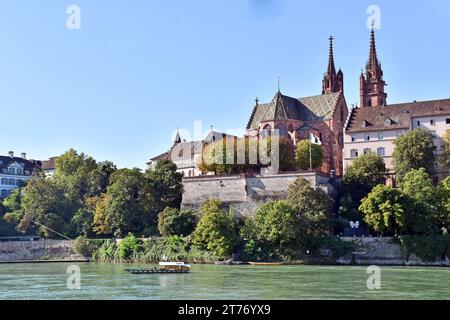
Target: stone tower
372 84
332 81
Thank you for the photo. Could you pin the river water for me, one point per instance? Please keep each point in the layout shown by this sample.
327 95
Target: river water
109 281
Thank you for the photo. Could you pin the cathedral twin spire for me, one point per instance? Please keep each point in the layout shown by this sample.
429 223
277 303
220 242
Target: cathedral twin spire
371 83
332 81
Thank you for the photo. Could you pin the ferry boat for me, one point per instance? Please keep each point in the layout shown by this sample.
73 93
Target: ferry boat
165 267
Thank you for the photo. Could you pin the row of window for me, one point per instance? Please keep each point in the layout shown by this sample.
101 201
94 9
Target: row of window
380 151
433 122
11 182
13 171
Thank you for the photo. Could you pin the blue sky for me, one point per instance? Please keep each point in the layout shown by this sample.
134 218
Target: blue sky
117 88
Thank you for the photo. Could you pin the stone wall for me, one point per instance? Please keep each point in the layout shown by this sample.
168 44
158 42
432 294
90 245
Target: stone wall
383 251
245 193
38 250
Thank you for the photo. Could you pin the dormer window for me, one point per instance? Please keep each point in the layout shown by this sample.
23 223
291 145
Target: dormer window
364 124
388 122
11 171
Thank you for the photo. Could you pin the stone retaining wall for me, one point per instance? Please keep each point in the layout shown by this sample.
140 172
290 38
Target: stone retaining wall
38 250
246 193
383 251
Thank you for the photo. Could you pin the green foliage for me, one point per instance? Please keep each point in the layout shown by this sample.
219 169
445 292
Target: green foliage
165 183
427 248
84 246
443 199
176 222
445 149
302 157
128 246
313 207
387 210
414 150
128 205
216 230
366 172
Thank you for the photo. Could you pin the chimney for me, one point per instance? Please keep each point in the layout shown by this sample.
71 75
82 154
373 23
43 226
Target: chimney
24 155
11 154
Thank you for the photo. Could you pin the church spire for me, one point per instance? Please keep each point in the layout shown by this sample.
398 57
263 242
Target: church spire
372 85
332 81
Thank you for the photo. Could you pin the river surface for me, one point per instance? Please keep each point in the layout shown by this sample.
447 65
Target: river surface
109 281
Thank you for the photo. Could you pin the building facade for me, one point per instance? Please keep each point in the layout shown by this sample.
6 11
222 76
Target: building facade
323 115
374 125
15 171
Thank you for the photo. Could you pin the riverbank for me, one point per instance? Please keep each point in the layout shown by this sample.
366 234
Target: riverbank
364 251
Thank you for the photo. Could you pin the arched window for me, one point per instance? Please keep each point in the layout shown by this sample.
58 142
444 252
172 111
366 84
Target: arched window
266 131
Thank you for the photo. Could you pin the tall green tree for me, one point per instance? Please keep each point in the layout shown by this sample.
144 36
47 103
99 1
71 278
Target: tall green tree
445 149
312 206
414 150
166 185
176 222
366 172
302 155
130 206
387 210
216 231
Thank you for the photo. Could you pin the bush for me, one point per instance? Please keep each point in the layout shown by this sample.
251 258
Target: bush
427 248
128 246
176 222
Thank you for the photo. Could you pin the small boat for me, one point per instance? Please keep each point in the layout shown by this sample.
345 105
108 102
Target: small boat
266 263
165 267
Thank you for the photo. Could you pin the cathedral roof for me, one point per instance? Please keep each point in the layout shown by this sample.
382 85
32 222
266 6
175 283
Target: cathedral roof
283 107
395 116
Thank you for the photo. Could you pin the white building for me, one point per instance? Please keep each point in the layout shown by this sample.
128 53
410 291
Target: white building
14 171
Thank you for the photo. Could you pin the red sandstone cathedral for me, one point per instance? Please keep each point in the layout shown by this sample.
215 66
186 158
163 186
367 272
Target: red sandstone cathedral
296 118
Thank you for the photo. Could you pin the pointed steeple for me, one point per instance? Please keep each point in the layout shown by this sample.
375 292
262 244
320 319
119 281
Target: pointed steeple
177 137
331 69
372 85
332 81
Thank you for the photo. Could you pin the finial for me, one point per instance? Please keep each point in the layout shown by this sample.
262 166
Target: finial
331 40
257 101
278 84
211 128
372 24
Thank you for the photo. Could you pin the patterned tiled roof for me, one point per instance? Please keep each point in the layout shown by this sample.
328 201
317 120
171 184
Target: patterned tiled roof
395 116
287 108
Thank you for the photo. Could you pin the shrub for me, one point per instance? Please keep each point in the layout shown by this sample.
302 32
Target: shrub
176 222
128 246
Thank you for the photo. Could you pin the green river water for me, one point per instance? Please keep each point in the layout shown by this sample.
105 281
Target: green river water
109 281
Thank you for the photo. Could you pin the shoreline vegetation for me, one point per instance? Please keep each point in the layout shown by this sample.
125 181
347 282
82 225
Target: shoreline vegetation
85 199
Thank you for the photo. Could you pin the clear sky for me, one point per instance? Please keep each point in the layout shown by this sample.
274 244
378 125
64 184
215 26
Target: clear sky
137 69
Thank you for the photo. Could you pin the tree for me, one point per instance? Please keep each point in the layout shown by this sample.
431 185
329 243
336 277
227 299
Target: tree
216 231
45 205
365 172
386 210
166 185
445 149
102 223
277 223
302 157
177 222
313 206
443 195
286 152
417 185
414 150
130 204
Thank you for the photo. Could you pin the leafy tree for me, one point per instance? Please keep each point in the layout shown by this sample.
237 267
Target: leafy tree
365 172
313 206
286 152
13 207
44 204
131 205
177 222
102 223
302 155
386 210
216 231
414 150
166 185
443 198
445 149
417 185
277 222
